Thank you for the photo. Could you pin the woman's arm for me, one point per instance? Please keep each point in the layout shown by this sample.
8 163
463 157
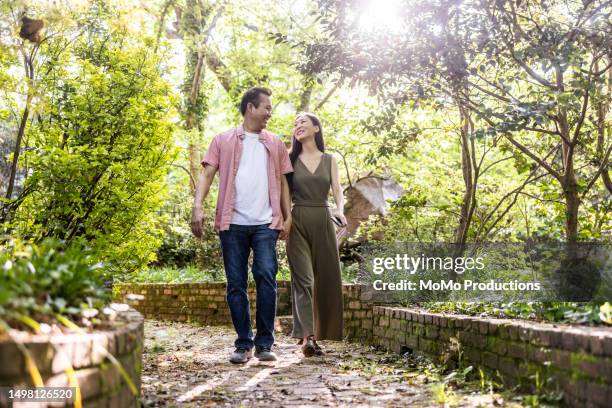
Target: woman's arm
337 192
285 207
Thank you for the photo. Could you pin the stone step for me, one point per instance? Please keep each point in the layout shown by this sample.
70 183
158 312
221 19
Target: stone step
284 324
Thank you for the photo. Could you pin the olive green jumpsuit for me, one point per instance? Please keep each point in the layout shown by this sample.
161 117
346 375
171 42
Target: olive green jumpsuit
312 250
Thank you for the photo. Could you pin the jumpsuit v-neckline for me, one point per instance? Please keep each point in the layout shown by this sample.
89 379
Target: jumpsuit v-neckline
312 251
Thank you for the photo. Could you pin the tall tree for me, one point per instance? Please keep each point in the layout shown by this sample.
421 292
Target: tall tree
195 20
525 70
552 56
31 36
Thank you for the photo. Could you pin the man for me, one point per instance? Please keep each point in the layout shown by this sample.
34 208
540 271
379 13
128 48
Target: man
253 211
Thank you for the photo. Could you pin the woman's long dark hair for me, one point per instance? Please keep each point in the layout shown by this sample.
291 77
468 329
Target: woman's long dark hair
296 145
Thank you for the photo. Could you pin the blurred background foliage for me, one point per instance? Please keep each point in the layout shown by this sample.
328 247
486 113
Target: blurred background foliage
492 116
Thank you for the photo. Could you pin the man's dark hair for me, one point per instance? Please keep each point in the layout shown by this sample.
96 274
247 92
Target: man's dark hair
252 96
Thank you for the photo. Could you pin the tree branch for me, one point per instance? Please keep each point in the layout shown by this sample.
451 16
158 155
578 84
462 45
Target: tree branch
602 167
535 158
496 162
346 168
192 180
329 94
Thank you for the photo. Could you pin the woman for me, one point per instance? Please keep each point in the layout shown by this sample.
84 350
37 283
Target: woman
312 249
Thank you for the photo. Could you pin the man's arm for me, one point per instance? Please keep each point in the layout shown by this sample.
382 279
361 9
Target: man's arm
285 207
202 188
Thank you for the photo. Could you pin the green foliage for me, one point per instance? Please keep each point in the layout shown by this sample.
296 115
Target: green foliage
99 155
349 272
605 313
566 312
102 131
52 277
189 273
172 275
468 56
180 248
443 396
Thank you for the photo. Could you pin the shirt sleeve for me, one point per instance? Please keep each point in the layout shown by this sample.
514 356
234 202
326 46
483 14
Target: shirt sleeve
285 162
212 155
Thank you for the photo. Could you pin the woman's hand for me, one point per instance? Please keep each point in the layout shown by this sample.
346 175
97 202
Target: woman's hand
340 215
284 234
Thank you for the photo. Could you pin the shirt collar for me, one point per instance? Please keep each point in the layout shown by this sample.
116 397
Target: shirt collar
263 135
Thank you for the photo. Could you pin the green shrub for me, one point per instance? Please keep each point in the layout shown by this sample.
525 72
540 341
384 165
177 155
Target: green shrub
181 249
187 274
100 150
566 312
39 281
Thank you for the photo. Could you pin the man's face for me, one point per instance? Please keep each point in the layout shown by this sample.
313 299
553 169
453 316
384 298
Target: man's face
263 112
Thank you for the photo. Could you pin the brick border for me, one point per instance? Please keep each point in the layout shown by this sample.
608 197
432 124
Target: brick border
577 359
195 302
100 383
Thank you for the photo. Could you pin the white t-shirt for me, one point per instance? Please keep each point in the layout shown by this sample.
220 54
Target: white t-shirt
252 204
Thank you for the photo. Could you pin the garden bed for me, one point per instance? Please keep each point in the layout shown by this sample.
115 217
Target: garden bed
573 361
106 364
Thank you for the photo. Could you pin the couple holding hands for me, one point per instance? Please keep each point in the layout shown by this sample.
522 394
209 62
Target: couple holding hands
267 193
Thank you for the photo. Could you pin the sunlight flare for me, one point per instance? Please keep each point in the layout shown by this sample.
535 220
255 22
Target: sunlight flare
381 15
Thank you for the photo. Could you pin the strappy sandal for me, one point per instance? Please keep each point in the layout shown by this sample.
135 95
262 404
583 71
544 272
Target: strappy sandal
318 350
308 348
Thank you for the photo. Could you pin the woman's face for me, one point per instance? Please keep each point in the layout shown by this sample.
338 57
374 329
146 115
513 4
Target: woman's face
304 129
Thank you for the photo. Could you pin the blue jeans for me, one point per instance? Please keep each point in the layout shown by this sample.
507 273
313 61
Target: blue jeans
236 245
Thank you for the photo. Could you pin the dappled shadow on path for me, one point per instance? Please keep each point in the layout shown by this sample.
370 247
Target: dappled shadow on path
187 366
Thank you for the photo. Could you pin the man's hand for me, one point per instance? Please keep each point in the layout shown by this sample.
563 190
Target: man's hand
197 212
284 234
197 221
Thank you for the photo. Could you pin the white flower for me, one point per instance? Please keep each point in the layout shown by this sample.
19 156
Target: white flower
120 307
45 328
89 313
109 312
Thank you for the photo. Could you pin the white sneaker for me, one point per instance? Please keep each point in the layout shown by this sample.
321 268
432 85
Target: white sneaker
265 354
241 356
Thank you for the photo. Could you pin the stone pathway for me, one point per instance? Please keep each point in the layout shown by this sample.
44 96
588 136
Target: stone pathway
187 366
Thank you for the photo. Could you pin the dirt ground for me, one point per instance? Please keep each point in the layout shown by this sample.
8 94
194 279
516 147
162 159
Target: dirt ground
187 365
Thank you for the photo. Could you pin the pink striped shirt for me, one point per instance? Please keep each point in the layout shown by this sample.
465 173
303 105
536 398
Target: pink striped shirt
224 153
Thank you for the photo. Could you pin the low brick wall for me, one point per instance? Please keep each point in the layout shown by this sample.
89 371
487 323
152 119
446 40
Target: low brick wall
578 360
358 315
99 381
195 302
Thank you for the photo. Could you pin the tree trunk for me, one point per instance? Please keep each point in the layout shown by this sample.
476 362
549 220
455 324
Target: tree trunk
192 28
605 176
603 106
17 151
568 182
570 192
462 229
572 205
214 63
191 118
